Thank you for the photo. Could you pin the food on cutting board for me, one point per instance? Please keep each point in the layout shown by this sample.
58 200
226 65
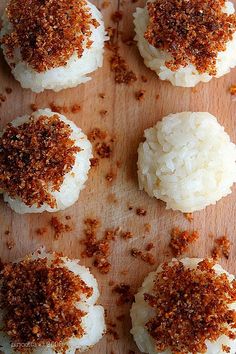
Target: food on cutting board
44 162
187 161
52 44
49 305
186 306
187 42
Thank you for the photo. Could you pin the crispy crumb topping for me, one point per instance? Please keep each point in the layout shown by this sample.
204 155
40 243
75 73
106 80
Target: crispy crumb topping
34 158
39 302
191 306
48 32
192 31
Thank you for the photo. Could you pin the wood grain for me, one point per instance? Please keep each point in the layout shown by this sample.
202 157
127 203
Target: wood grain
126 118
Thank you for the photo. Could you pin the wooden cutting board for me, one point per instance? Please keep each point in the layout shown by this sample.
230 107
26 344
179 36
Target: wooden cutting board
126 118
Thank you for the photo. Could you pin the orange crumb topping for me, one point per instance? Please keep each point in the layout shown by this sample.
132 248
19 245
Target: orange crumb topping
192 31
39 303
34 158
48 32
191 306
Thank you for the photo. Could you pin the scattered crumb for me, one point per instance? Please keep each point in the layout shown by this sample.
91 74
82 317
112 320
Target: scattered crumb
146 257
126 235
226 348
75 108
111 175
58 109
102 95
59 227
41 231
103 112
141 212
103 150
221 248
97 134
34 107
125 294
10 244
180 240
117 16
94 161
149 246
111 330
111 198
188 216
8 90
147 227
232 90
2 97
7 232
105 4
139 95
97 249
123 75
157 97
143 78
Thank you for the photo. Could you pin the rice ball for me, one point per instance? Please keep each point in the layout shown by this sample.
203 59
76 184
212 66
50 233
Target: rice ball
187 42
187 161
44 162
186 306
55 309
52 44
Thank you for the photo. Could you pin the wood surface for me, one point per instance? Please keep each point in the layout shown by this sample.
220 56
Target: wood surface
126 119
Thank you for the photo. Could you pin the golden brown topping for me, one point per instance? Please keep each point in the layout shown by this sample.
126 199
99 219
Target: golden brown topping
39 300
222 247
34 158
48 32
191 306
180 240
191 31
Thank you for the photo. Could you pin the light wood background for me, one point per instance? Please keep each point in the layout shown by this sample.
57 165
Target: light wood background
127 118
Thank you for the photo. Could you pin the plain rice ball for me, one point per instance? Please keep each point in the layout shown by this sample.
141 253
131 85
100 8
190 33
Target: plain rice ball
187 161
188 75
173 305
92 319
62 70
37 177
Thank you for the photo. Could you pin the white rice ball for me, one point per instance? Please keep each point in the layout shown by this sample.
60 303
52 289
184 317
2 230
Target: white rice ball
188 76
141 313
72 74
187 161
74 181
93 323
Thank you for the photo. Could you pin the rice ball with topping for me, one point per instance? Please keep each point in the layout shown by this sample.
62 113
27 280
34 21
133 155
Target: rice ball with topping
187 42
52 44
187 306
44 162
187 161
48 305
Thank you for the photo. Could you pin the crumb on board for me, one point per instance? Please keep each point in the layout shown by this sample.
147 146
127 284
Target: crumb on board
103 113
181 239
149 246
8 90
139 95
125 293
98 249
102 95
10 244
41 231
147 257
232 90
111 330
141 212
147 227
127 235
7 232
111 198
221 248
33 107
59 227
188 216
94 161
119 66
117 16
